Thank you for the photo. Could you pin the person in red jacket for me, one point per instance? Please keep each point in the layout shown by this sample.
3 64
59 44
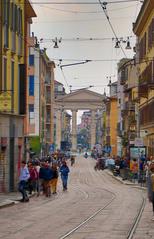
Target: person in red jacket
33 178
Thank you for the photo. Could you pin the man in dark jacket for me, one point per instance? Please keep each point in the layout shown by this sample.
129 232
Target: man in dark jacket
64 170
46 174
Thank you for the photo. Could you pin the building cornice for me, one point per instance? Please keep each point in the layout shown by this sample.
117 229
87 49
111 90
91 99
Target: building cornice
142 18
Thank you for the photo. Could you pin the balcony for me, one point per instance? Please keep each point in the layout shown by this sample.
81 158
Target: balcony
128 106
146 81
48 98
107 130
48 80
48 120
147 114
123 76
119 130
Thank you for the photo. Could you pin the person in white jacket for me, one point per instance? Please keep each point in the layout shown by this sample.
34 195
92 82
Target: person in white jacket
23 178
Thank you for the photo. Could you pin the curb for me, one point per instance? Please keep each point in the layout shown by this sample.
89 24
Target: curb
9 203
126 183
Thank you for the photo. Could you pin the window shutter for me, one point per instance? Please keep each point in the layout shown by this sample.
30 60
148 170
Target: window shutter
153 70
20 14
31 85
144 44
11 23
31 60
16 18
152 30
13 18
22 89
8 13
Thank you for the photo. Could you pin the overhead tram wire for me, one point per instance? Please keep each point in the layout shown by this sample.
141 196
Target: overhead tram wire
85 12
64 77
83 3
103 6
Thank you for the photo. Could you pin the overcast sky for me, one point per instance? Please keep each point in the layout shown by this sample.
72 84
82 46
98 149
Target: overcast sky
85 21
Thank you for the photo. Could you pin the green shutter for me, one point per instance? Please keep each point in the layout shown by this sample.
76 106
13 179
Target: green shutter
16 18
11 23
8 13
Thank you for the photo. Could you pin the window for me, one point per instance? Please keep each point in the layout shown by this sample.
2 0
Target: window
4 74
31 114
12 86
31 60
31 85
6 18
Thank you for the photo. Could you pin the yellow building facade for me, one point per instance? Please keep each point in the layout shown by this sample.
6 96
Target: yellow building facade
144 28
111 118
15 16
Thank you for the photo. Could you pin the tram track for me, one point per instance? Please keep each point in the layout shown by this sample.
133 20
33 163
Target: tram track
131 230
136 221
71 232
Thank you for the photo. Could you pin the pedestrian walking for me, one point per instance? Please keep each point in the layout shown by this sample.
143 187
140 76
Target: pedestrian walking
54 179
134 170
48 175
32 181
38 182
23 179
64 170
72 160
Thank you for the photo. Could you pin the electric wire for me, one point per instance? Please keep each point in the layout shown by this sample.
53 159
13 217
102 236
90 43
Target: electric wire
85 12
108 19
64 77
82 3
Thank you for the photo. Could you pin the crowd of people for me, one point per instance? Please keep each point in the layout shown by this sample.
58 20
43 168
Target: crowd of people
41 176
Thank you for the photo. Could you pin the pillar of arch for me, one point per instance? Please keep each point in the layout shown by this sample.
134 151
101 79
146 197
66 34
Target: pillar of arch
79 100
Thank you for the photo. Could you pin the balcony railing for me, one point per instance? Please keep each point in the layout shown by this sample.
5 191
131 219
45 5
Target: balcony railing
147 114
48 120
123 76
48 98
129 106
48 80
146 80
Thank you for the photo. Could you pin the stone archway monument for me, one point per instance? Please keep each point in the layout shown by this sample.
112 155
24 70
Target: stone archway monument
79 100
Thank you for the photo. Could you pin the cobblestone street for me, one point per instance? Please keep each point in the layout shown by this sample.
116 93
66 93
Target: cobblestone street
89 191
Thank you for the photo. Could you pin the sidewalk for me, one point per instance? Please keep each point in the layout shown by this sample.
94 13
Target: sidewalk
126 182
9 199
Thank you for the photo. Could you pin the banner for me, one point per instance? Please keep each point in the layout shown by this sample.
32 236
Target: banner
5 101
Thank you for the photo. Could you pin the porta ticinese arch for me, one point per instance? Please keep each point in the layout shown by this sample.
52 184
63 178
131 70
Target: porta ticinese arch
79 100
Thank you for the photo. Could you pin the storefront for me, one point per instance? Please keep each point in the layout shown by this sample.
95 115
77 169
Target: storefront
11 150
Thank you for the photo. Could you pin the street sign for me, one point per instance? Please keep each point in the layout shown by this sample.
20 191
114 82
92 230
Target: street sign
139 142
107 149
51 148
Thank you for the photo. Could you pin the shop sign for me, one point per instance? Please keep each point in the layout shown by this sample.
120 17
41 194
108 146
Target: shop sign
5 101
139 142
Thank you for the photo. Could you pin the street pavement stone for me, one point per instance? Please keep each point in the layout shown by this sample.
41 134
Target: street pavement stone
88 191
